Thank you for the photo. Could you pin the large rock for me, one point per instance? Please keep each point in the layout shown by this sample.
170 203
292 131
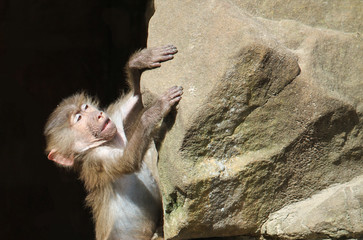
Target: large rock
271 114
335 212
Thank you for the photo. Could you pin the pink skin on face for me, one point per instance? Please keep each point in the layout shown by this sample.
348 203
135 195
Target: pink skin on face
92 127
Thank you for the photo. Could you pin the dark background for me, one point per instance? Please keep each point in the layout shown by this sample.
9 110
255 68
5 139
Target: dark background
50 49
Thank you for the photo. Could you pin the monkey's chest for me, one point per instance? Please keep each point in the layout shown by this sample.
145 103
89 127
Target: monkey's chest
136 205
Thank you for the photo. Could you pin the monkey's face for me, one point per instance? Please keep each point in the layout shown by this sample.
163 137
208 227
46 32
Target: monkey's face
91 127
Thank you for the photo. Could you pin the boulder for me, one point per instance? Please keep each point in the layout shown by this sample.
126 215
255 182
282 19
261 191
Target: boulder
335 212
271 112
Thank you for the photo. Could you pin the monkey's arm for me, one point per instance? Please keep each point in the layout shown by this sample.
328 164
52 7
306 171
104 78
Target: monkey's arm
139 62
108 164
131 105
139 142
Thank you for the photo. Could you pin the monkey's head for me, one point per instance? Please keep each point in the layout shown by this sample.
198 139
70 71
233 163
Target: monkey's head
75 126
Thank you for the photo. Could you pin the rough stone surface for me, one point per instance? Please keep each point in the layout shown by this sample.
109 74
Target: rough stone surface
335 212
271 114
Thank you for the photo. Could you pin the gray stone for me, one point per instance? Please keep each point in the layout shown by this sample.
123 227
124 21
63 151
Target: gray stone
271 114
335 212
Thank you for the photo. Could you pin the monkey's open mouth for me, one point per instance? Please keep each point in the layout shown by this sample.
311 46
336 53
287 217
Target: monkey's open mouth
106 124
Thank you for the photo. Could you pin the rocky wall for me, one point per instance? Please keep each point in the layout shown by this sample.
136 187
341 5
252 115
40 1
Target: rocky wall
267 140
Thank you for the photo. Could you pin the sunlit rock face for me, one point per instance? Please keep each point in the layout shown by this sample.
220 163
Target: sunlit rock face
271 116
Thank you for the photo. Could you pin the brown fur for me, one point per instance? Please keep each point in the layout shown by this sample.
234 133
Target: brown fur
102 166
57 129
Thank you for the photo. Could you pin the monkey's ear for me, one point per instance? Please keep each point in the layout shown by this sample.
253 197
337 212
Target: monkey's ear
60 159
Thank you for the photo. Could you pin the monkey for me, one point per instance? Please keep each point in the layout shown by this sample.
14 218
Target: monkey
111 151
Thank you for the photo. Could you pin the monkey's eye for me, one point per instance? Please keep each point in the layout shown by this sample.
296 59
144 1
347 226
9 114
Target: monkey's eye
84 107
77 117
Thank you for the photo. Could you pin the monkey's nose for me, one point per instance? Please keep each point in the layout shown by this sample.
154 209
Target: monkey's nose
100 115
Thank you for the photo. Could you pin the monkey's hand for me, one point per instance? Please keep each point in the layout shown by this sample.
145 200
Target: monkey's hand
162 106
149 58
169 99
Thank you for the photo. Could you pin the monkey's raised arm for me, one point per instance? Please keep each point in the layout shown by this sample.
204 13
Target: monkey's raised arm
142 60
107 164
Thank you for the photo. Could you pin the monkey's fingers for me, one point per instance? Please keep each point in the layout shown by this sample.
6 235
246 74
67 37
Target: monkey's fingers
155 65
174 94
165 50
162 58
169 49
156 62
178 91
175 100
169 46
174 90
